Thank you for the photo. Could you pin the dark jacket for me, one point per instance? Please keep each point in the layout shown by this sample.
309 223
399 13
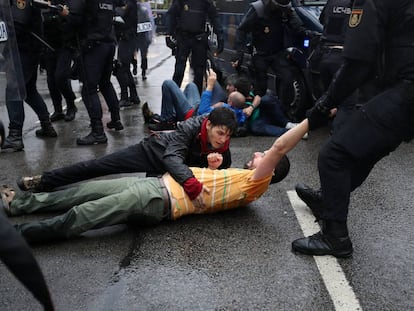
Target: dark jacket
174 152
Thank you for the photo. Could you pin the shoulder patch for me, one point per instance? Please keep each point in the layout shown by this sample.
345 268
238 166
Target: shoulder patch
21 4
355 17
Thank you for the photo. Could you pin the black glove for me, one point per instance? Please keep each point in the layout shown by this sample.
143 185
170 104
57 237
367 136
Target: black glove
312 34
239 58
318 115
220 45
171 42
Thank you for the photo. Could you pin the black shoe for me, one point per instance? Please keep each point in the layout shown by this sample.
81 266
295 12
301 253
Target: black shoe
92 139
116 125
70 114
312 198
143 73
13 142
124 103
135 100
146 112
56 116
46 130
30 183
321 244
155 119
162 126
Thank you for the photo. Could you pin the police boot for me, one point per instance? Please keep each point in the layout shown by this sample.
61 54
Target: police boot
46 129
96 136
144 74
70 112
56 116
13 142
312 198
115 122
332 240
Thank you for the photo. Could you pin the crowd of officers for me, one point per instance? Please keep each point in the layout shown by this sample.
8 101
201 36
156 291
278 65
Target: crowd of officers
76 39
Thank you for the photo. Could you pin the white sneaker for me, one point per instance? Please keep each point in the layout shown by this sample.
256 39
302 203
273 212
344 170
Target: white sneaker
291 125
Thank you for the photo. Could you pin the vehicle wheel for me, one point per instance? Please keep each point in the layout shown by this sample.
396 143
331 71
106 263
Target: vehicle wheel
295 98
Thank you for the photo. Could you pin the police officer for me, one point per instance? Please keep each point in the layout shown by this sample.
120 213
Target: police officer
186 23
380 34
327 57
126 47
144 37
267 20
60 31
28 26
98 49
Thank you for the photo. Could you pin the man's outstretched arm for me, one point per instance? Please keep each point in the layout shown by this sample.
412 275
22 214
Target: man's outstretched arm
280 147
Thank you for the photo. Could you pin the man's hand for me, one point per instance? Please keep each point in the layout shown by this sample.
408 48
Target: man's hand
214 160
319 114
198 202
211 79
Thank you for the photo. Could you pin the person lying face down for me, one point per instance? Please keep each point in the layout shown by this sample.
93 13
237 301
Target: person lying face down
150 200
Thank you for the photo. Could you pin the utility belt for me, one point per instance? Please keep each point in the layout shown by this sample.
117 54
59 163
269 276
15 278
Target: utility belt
167 200
197 35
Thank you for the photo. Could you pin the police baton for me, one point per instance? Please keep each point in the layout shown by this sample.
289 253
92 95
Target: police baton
42 41
45 4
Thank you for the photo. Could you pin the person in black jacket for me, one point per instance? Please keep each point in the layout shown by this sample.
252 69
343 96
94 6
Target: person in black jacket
96 60
270 23
186 23
61 22
172 152
126 36
27 21
380 36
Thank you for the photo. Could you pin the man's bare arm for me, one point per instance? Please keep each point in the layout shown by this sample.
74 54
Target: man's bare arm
280 147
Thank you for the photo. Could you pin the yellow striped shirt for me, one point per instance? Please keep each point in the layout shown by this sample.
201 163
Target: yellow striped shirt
229 188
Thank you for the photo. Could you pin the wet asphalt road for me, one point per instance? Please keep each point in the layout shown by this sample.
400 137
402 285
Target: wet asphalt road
238 260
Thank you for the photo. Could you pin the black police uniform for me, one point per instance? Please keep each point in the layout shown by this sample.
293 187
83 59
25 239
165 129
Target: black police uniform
381 34
61 33
98 50
186 21
126 47
267 24
28 24
144 38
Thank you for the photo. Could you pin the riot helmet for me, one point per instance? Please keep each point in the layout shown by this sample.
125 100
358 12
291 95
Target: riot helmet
282 3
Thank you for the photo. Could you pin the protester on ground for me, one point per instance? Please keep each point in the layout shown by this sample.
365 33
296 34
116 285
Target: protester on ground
188 145
139 201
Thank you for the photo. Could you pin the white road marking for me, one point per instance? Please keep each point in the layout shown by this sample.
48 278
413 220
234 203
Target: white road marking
341 292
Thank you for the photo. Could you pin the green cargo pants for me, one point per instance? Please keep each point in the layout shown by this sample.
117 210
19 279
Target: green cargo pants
91 205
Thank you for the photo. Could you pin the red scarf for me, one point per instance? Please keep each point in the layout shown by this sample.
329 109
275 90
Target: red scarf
205 145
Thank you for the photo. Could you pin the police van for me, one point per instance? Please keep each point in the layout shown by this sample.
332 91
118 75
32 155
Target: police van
299 97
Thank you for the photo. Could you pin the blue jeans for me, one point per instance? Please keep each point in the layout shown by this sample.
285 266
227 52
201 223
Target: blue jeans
176 103
272 120
219 94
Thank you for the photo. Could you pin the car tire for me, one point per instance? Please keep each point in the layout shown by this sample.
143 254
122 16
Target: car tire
295 100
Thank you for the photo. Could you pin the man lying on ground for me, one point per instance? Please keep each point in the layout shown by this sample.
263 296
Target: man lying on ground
96 204
171 152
